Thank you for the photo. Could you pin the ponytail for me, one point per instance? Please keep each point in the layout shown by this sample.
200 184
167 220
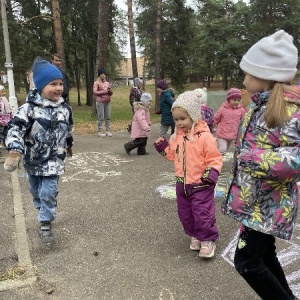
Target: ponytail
276 110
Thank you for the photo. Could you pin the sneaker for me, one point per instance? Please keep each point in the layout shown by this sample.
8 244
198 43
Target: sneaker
108 134
101 134
45 232
195 244
207 249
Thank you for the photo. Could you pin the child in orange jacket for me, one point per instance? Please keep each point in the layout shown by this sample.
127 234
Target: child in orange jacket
198 163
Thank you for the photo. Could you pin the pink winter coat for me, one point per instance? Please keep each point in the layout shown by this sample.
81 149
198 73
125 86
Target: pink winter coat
228 118
140 126
101 91
5 111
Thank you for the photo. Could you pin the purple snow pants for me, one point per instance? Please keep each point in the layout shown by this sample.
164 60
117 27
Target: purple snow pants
196 210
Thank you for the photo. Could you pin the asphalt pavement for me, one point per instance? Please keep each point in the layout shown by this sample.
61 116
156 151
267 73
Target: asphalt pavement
117 233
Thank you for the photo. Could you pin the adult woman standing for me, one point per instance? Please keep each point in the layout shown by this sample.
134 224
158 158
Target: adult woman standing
102 90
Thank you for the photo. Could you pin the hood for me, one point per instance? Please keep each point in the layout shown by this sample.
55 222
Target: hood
293 95
139 105
200 127
35 98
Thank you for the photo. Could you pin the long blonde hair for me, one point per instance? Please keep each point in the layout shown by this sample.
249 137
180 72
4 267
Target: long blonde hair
276 108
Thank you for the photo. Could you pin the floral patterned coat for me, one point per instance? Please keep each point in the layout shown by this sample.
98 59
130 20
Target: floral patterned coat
262 189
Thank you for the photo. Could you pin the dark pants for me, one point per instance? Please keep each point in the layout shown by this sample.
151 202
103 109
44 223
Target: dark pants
256 261
139 143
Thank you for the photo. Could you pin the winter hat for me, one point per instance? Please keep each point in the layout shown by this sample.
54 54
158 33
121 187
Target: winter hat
203 92
137 81
146 97
2 87
233 93
44 72
101 71
161 84
191 102
273 57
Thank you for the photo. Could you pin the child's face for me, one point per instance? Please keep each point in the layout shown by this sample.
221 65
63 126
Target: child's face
2 93
254 84
159 91
182 120
53 90
234 102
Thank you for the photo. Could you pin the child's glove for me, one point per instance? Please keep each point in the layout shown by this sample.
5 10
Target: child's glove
69 152
12 161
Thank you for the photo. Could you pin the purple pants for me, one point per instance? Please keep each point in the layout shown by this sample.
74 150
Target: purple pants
196 210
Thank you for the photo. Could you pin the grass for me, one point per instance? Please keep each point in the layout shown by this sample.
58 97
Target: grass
12 273
121 115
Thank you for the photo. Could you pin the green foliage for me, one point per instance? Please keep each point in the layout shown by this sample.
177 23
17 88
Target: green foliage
204 44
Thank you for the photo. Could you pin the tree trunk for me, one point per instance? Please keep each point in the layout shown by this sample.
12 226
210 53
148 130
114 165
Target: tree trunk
58 32
158 40
103 34
132 40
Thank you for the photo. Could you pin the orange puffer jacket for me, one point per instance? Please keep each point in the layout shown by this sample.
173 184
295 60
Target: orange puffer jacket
194 160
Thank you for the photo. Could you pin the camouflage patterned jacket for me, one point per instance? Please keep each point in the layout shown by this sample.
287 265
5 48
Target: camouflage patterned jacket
42 130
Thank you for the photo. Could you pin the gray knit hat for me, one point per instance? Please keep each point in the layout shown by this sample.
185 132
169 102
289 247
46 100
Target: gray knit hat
274 57
146 97
137 81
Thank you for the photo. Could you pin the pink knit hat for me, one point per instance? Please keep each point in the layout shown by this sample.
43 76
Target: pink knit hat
233 93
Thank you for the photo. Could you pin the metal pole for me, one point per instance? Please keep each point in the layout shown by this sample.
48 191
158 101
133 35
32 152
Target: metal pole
9 65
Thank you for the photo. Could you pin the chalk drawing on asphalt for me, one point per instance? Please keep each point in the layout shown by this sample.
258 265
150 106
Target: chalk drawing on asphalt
166 294
288 253
168 189
95 160
89 166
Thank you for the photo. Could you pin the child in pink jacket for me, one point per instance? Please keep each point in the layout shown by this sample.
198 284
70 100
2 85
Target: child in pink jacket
227 119
140 126
5 113
198 163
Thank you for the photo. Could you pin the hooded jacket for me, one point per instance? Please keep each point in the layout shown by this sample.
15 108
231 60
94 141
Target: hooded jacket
195 161
41 129
228 118
140 126
262 188
166 102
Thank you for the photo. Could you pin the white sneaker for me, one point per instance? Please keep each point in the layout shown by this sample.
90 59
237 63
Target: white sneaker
195 244
100 134
207 249
108 134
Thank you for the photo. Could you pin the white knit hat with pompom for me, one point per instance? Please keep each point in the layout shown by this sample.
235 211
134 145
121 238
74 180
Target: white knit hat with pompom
190 101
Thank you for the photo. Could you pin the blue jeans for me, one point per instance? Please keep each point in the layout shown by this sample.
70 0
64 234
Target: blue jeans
44 190
103 113
256 261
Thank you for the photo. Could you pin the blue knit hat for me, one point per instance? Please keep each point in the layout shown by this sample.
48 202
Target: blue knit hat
101 71
43 73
